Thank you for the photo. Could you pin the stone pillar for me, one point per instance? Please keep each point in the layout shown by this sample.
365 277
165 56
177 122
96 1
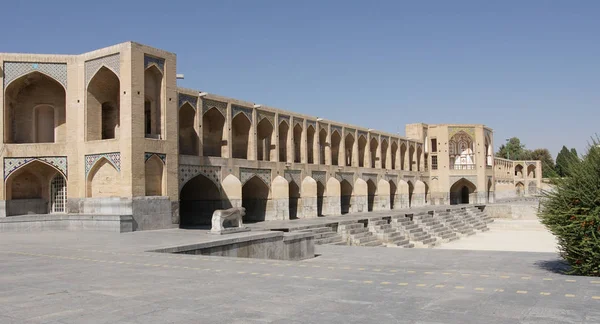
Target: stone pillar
198 127
252 149
227 151
367 159
397 158
315 146
388 155
328 146
303 144
275 157
342 150
378 153
355 150
290 142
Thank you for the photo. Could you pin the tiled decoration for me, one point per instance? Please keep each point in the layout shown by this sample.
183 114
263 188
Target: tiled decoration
158 62
453 130
322 126
15 70
260 115
284 118
392 177
111 62
183 98
336 128
320 176
162 157
188 172
114 158
311 123
235 110
370 176
363 134
375 137
298 121
208 104
349 131
12 164
293 175
263 174
348 176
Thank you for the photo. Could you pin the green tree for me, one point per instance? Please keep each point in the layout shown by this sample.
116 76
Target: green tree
572 213
512 150
548 167
565 160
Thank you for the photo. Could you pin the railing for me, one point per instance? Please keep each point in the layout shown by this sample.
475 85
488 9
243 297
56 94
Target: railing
470 166
467 162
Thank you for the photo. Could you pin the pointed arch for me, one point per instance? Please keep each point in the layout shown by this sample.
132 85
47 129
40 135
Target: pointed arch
198 199
348 146
310 144
153 102
336 139
264 134
531 171
102 179
411 157
373 145
461 192
371 192
188 137
411 190
384 151
154 175
362 144
461 151
520 189
419 157
519 171
284 129
240 127
403 156
345 196
28 121
393 194
394 150
298 143
213 127
103 105
255 195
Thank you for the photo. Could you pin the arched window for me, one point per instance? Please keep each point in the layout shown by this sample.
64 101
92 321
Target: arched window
460 149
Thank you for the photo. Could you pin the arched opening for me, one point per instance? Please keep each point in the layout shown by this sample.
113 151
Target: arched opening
153 102
255 195
264 132
102 180
520 189
35 188
297 143
489 155
393 190
411 190
461 152
419 153
489 191
531 171
240 128
426 193
188 138
336 138
461 191
102 106
213 123
310 144
519 171
348 145
362 144
384 150
374 145
28 121
294 194
322 145
402 156
154 176
199 198
371 189
532 188
393 155
284 129
411 157
320 195
345 196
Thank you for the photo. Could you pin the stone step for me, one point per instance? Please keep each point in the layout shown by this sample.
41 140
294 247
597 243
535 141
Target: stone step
349 226
325 235
355 231
320 229
330 240
402 242
377 222
363 240
372 244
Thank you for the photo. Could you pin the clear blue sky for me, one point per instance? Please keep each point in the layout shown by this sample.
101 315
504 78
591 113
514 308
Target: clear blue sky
529 69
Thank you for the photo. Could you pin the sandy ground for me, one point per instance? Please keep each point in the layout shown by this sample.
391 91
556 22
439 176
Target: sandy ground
508 235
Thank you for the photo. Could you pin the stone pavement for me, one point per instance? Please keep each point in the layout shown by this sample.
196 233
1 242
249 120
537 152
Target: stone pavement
71 277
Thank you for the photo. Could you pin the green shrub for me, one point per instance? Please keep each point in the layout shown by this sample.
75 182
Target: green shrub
572 212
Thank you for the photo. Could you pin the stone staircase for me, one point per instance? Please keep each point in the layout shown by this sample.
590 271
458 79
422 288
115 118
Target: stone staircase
485 217
474 221
455 223
357 234
435 227
325 235
416 234
387 234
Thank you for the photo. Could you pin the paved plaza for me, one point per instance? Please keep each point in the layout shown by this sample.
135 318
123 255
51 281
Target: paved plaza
75 277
